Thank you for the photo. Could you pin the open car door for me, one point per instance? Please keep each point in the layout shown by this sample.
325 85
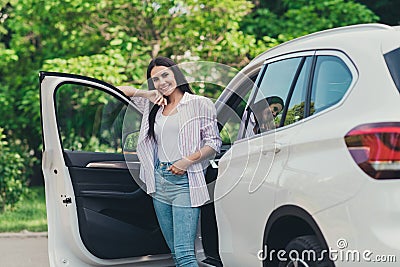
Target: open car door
97 214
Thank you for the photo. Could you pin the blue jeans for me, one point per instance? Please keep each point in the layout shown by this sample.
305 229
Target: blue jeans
177 219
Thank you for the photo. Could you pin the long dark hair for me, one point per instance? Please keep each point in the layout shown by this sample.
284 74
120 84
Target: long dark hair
182 85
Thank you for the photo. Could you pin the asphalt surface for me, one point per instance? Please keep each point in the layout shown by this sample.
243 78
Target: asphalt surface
23 249
27 249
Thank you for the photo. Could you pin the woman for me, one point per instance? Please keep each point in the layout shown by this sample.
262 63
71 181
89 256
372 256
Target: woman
178 135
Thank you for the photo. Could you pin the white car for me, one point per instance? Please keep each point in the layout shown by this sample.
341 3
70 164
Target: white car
321 189
327 179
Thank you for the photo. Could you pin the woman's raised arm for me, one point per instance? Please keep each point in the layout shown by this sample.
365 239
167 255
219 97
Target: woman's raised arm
152 95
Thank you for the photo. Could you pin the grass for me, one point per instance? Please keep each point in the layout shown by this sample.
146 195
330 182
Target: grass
29 214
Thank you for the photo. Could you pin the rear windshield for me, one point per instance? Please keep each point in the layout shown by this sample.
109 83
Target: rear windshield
393 62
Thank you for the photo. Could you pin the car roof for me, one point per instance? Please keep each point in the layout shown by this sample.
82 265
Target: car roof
337 38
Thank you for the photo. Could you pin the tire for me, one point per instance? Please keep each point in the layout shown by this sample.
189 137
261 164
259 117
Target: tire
308 253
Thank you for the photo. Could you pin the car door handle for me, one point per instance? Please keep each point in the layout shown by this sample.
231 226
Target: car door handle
114 165
137 194
278 147
275 149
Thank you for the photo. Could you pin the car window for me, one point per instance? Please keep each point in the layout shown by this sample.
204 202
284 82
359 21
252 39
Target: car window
234 110
393 62
331 81
273 91
295 109
92 120
230 130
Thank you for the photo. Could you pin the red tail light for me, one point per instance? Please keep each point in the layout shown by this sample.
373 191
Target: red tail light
376 149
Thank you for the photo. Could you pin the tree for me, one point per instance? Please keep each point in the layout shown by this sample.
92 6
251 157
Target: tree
387 10
302 17
112 40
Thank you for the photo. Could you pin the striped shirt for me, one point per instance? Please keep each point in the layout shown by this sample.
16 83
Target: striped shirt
198 127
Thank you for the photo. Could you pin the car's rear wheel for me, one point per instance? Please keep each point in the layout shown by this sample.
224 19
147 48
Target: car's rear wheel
305 251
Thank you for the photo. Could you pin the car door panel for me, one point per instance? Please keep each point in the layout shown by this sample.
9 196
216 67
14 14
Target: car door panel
98 213
249 172
108 203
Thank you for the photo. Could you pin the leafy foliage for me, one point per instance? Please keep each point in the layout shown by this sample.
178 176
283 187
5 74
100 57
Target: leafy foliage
296 113
387 10
12 175
312 16
302 17
113 40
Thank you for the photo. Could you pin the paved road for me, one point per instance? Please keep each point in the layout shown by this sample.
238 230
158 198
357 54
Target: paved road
23 250
27 249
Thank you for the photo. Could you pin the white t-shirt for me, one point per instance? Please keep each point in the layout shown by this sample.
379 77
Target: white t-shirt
166 129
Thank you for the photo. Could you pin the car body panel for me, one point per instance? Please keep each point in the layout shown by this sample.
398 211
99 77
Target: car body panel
319 176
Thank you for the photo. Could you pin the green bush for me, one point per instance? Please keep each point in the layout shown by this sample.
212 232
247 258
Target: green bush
13 181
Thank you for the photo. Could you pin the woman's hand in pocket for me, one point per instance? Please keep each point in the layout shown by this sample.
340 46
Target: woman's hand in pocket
180 166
